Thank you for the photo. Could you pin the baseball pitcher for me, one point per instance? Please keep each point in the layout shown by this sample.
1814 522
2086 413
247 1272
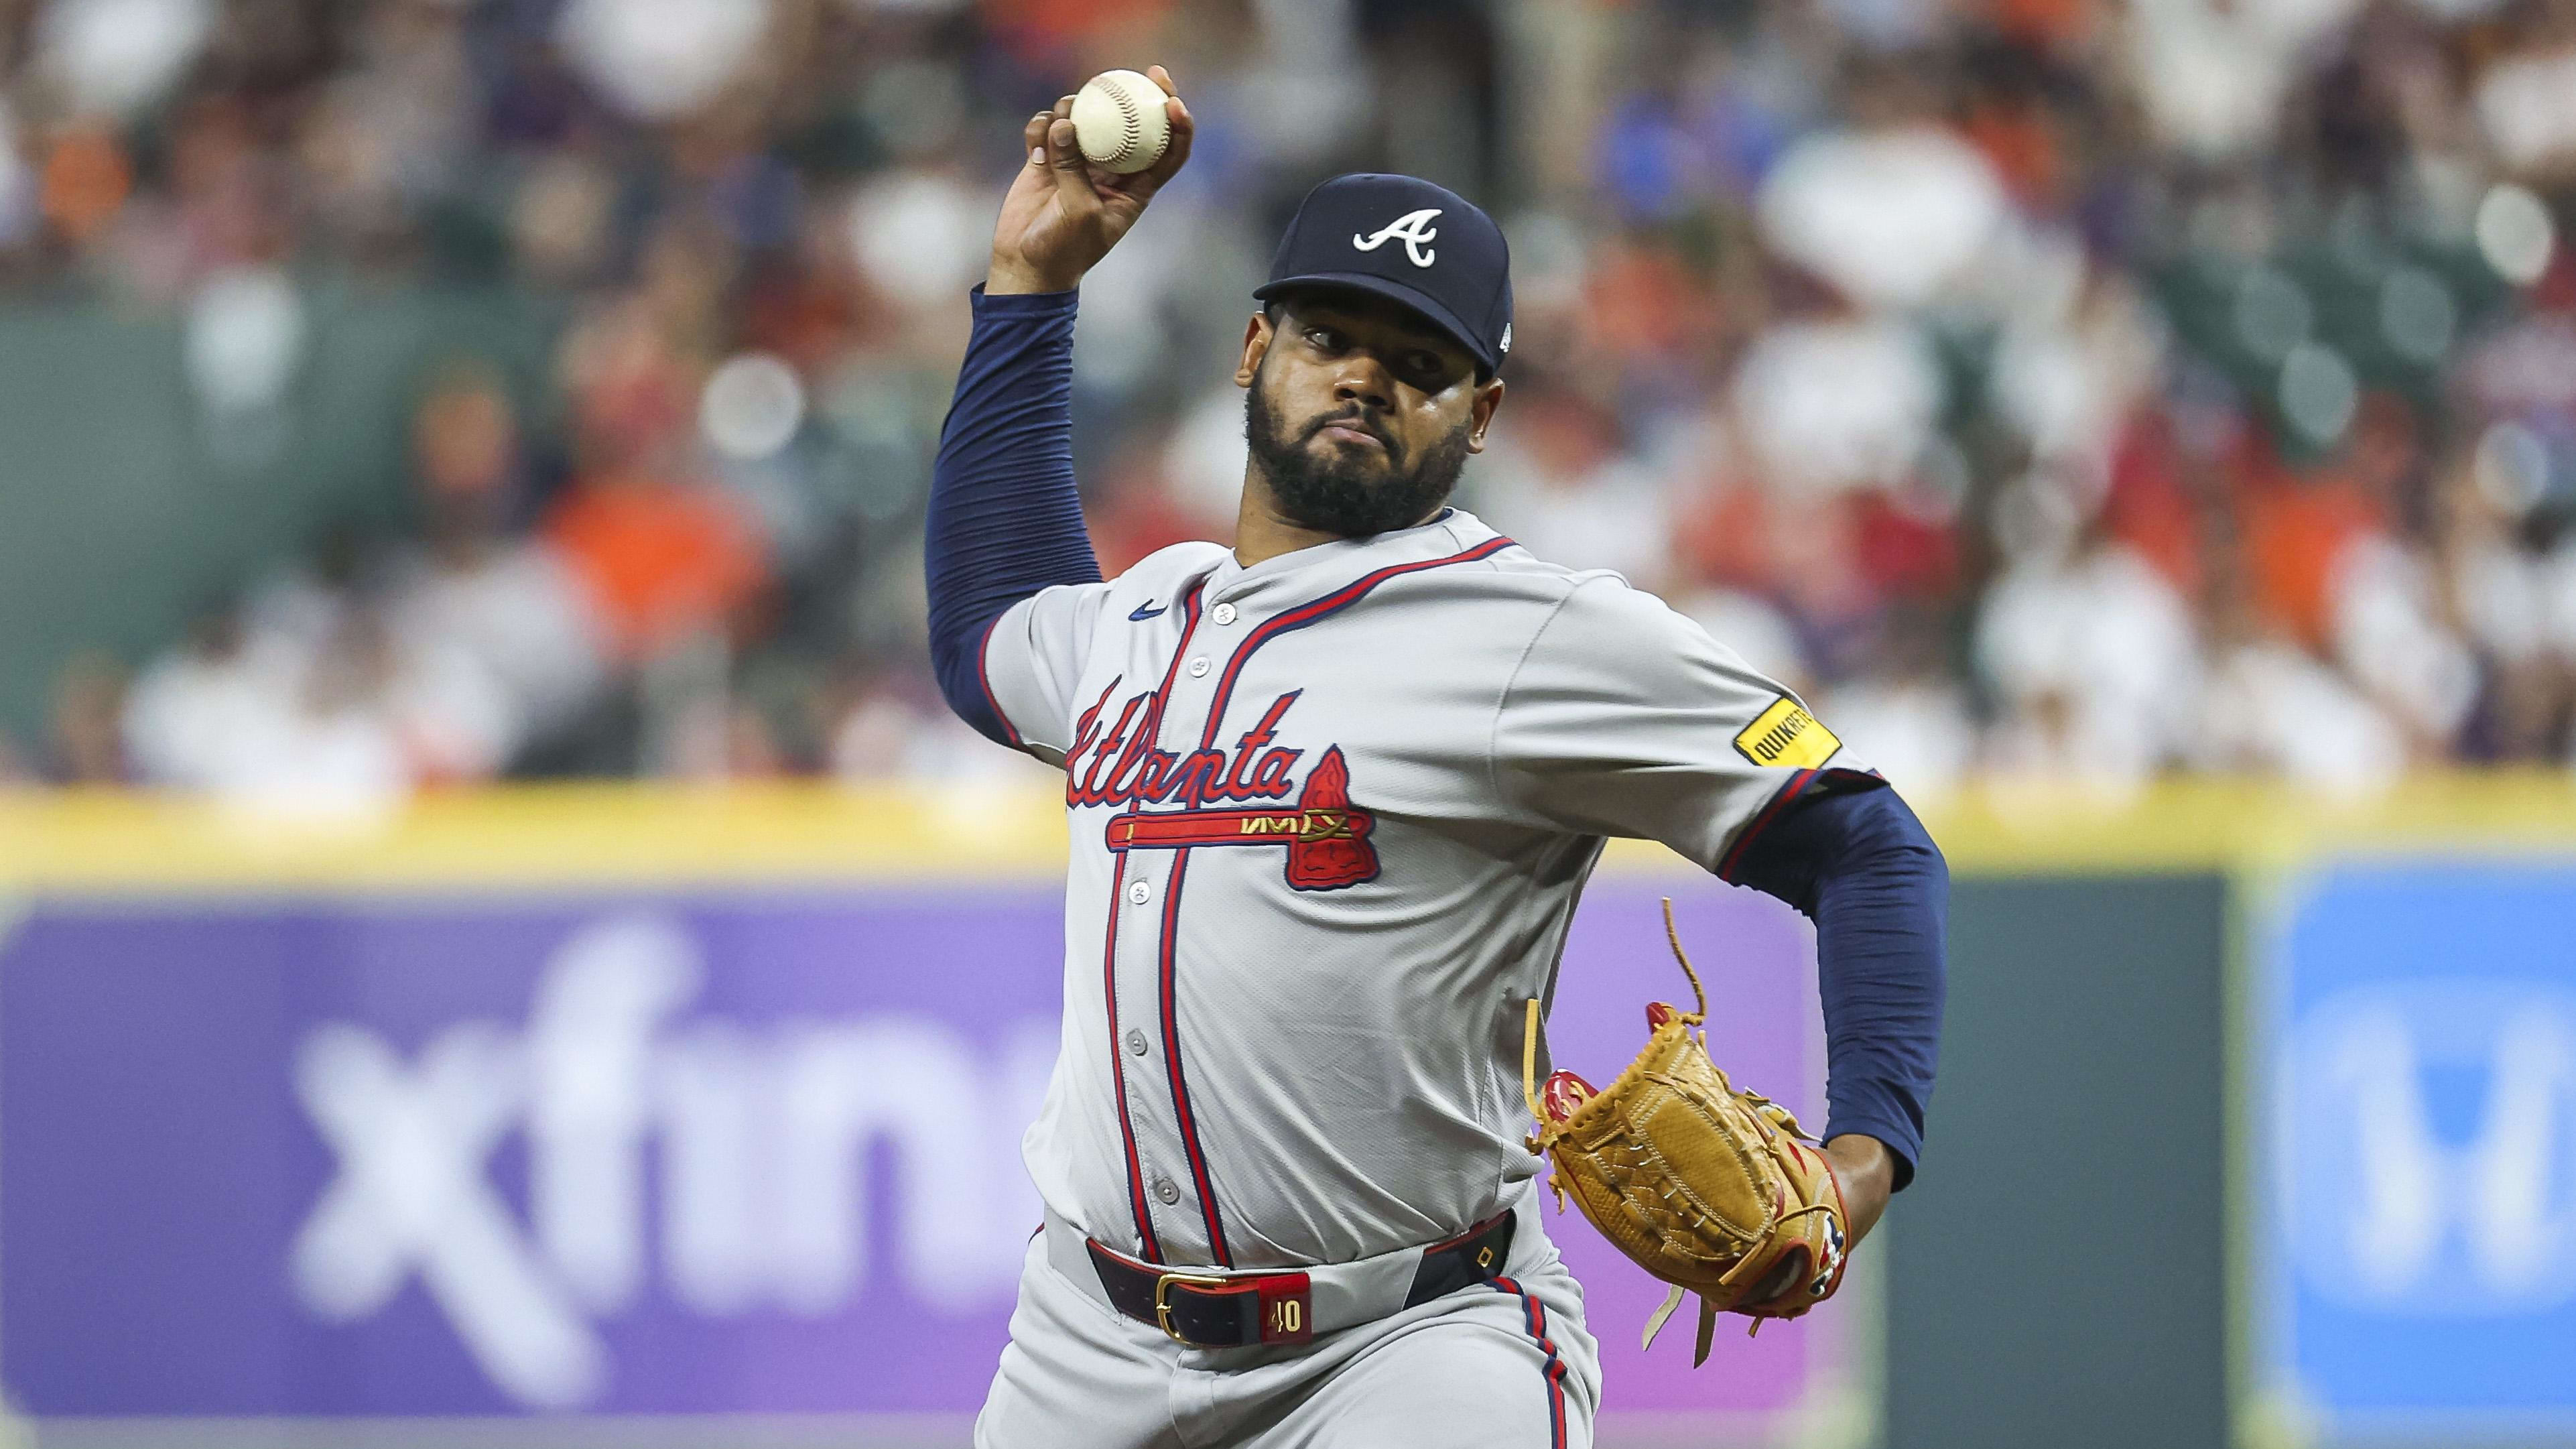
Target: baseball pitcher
1334 791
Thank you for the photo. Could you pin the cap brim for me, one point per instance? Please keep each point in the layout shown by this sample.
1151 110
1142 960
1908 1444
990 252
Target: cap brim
1422 303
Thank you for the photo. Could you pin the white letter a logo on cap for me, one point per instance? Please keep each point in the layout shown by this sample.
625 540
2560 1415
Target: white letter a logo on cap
1414 227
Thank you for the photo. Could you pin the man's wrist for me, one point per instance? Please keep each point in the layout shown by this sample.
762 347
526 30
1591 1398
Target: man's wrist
1010 279
1866 1169
1859 1148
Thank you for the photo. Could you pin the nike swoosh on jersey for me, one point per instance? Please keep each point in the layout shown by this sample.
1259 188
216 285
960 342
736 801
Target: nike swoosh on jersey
1142 612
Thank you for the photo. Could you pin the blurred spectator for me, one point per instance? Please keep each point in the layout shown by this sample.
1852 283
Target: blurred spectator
511 605
1908 716
1890 215
2035 384
663 555
319 702
2391 636
85 743
2275 708
1831 403
209 714
1573 495
2089 650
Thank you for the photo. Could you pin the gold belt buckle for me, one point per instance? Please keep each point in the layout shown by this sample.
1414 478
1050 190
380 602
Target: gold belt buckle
1163 1309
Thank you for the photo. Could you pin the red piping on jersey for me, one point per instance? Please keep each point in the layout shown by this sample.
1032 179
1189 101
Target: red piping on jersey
1305 614
1153 730
1152 1249
1152 1246
1297 618
984 677
1553 1369
1797 784
1172 1064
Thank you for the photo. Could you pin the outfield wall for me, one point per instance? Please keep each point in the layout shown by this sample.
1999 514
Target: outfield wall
691 1116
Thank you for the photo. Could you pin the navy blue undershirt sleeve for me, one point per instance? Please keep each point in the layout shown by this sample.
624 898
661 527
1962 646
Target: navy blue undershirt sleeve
1860 865
1005 521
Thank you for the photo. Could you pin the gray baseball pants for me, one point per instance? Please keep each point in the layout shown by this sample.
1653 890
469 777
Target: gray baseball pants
1503 1365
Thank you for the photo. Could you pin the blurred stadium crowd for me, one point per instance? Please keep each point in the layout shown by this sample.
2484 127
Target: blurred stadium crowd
2044 386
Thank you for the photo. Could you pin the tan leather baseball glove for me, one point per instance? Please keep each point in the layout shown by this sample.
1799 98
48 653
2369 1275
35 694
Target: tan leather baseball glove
1709 1188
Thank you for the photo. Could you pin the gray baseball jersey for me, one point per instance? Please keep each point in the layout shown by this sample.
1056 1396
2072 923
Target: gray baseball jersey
1330 815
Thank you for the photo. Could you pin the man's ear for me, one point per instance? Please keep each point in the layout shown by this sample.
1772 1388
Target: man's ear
1256 344
1480 408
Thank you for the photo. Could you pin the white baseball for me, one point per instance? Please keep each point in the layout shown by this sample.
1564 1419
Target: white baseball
1119 121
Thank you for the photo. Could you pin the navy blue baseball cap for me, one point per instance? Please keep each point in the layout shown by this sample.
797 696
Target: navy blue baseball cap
1420 246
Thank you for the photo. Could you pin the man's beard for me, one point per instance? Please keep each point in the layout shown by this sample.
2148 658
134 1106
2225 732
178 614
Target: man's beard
1346 493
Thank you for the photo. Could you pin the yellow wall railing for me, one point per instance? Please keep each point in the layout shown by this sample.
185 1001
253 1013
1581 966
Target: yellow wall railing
85 841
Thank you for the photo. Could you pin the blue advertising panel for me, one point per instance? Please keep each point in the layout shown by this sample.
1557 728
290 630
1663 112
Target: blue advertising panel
2418 1253
602 1153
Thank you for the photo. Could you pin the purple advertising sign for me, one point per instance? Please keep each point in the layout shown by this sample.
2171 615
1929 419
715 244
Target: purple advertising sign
724 1153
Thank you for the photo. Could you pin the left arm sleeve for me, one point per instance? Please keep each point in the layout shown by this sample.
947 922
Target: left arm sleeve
1625 718
1861 866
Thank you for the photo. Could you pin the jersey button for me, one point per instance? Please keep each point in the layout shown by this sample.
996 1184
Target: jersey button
1199 667
1167 1191
1138 893
1222 613
1135 1041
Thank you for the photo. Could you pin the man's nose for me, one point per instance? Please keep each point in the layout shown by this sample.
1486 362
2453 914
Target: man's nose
1363 380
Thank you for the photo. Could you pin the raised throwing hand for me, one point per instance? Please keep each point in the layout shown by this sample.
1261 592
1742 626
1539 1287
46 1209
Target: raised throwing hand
1063 214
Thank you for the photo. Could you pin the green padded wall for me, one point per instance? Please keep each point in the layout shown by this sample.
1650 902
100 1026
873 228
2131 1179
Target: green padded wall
122 509
2057 1273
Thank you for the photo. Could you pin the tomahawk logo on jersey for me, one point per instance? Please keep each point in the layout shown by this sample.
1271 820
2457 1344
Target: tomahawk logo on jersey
1326 839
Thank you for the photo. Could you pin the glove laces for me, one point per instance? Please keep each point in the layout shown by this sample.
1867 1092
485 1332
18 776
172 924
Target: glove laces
1547 1129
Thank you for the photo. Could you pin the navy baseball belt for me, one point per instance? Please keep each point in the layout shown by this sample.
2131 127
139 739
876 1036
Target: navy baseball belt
1203 1308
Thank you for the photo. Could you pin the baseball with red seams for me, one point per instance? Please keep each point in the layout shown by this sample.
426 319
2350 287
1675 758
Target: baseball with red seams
1119 121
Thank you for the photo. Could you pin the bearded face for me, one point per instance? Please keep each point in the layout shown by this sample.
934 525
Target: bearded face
1343 471
1359 413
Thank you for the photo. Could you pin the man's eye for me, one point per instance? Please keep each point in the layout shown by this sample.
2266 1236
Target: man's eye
1326 338
1426 364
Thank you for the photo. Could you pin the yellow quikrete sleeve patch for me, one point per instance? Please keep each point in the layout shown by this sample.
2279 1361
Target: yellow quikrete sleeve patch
1787 736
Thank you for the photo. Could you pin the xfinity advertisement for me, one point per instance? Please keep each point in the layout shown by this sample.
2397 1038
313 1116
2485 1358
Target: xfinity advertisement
740 1154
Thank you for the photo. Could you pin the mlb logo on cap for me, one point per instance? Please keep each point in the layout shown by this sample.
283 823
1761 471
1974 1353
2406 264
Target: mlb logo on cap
1415 244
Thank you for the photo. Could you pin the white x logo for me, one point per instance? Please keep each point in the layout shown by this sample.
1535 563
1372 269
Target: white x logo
412 1195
